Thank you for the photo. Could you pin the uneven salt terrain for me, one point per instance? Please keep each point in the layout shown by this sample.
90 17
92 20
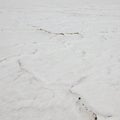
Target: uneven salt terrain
59 60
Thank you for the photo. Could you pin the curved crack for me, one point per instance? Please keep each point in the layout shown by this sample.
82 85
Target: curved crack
84 107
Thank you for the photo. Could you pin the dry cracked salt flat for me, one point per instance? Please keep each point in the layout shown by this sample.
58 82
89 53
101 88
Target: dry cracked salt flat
59 60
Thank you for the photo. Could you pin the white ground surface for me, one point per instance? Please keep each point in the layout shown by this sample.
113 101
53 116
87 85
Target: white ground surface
59 60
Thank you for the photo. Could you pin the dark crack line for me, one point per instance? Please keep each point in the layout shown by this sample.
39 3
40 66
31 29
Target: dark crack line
87 108
83 106
59 33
